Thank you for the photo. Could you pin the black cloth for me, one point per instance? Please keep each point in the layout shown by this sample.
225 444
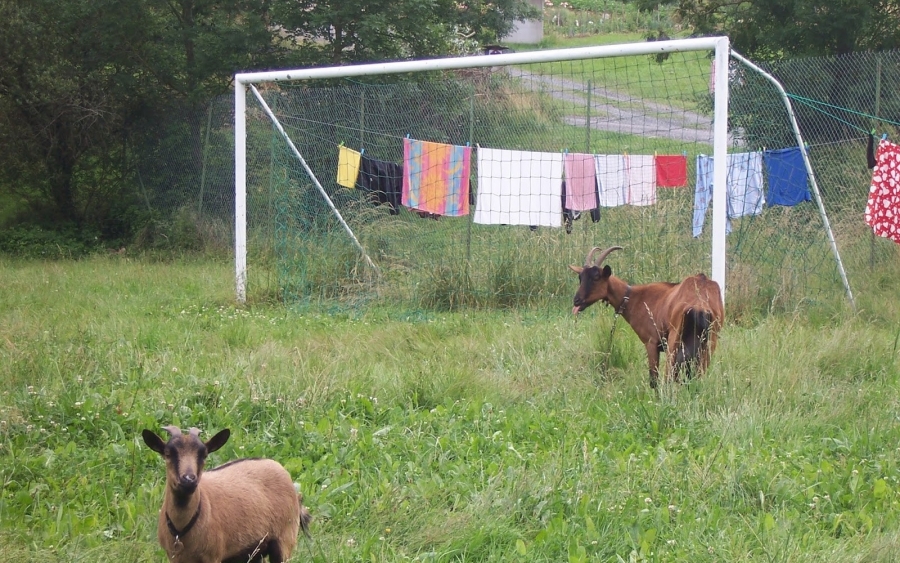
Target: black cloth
870 151
382 180
569 215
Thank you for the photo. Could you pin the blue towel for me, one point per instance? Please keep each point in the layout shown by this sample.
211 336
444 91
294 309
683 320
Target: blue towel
787 177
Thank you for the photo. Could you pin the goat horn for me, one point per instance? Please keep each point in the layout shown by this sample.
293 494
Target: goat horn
602 257
172 430
195 432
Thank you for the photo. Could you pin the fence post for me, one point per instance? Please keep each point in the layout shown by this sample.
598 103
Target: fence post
587 119
874 123
205 158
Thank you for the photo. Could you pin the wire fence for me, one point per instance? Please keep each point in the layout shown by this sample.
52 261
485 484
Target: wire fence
640 108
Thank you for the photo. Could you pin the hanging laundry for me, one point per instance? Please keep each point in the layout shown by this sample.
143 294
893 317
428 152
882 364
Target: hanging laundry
641 179
743 188
580 193
745 184
436 177
348 166
519 188
787 177
703 193
612 177
671 170
382 180
870 151
883 205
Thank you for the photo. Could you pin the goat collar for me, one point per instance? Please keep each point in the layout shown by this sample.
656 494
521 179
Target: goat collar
178 534
621 308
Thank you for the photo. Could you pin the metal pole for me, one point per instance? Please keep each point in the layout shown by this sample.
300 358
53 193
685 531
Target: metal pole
240 191
313 176
809 171
720 164
480 61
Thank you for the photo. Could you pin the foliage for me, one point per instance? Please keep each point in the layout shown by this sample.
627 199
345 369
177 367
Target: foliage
339 31
769 29
493 436
33 241
76 98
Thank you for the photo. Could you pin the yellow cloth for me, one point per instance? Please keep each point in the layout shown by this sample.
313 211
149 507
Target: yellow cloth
348 166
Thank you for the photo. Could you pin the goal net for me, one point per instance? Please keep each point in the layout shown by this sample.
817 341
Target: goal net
476 181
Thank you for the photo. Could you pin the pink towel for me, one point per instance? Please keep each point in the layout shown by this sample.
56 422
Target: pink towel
436 177
581 178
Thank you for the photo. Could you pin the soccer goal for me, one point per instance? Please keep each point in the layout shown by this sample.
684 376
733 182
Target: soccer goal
477 180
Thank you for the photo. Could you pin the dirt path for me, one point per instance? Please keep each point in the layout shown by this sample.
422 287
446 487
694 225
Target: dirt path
621 113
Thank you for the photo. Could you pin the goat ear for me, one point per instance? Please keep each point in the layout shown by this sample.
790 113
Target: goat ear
217 441
153 441
607 271
576 269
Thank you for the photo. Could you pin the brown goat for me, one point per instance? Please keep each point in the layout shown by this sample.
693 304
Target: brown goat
241 511
682 319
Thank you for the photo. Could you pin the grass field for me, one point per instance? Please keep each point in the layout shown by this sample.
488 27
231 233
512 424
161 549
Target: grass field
469 436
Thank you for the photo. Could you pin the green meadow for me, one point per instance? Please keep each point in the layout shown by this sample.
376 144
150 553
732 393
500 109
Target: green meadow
474 435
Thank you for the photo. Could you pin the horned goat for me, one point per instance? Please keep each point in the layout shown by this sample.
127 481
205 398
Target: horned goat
682 319
243 510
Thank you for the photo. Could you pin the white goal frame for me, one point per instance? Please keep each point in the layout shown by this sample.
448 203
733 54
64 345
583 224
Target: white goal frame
720 45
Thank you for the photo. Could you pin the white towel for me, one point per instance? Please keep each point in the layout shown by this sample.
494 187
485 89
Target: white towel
519 188
613 177
641 179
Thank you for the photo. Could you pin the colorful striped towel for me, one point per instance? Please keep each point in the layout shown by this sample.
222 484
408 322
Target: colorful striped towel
436 177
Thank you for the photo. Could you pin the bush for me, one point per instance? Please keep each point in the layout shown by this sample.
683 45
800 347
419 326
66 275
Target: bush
32 241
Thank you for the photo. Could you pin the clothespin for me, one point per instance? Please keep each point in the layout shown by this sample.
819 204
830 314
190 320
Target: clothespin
468 144
884 136
654 154
361 151
684 154
407 135
341 144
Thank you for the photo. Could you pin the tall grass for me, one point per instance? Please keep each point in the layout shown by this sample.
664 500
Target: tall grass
512 434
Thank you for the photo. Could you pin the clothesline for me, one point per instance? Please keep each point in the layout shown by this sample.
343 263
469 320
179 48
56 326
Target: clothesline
537 188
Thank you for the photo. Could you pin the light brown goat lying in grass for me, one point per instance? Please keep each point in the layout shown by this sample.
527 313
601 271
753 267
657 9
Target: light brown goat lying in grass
241 511
682 319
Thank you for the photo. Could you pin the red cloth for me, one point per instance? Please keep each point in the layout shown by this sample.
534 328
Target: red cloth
883 207
671 171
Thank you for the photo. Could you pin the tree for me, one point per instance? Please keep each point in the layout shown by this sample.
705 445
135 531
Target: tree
80 79
771 29
347 31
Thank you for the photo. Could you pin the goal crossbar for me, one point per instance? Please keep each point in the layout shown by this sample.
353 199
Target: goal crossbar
720 45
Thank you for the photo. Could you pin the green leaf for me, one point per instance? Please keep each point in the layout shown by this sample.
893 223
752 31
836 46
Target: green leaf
520 548
881 489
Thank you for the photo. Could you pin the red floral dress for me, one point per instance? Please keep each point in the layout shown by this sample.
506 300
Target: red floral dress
883 207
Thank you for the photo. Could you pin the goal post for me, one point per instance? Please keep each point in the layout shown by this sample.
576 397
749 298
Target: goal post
718 45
